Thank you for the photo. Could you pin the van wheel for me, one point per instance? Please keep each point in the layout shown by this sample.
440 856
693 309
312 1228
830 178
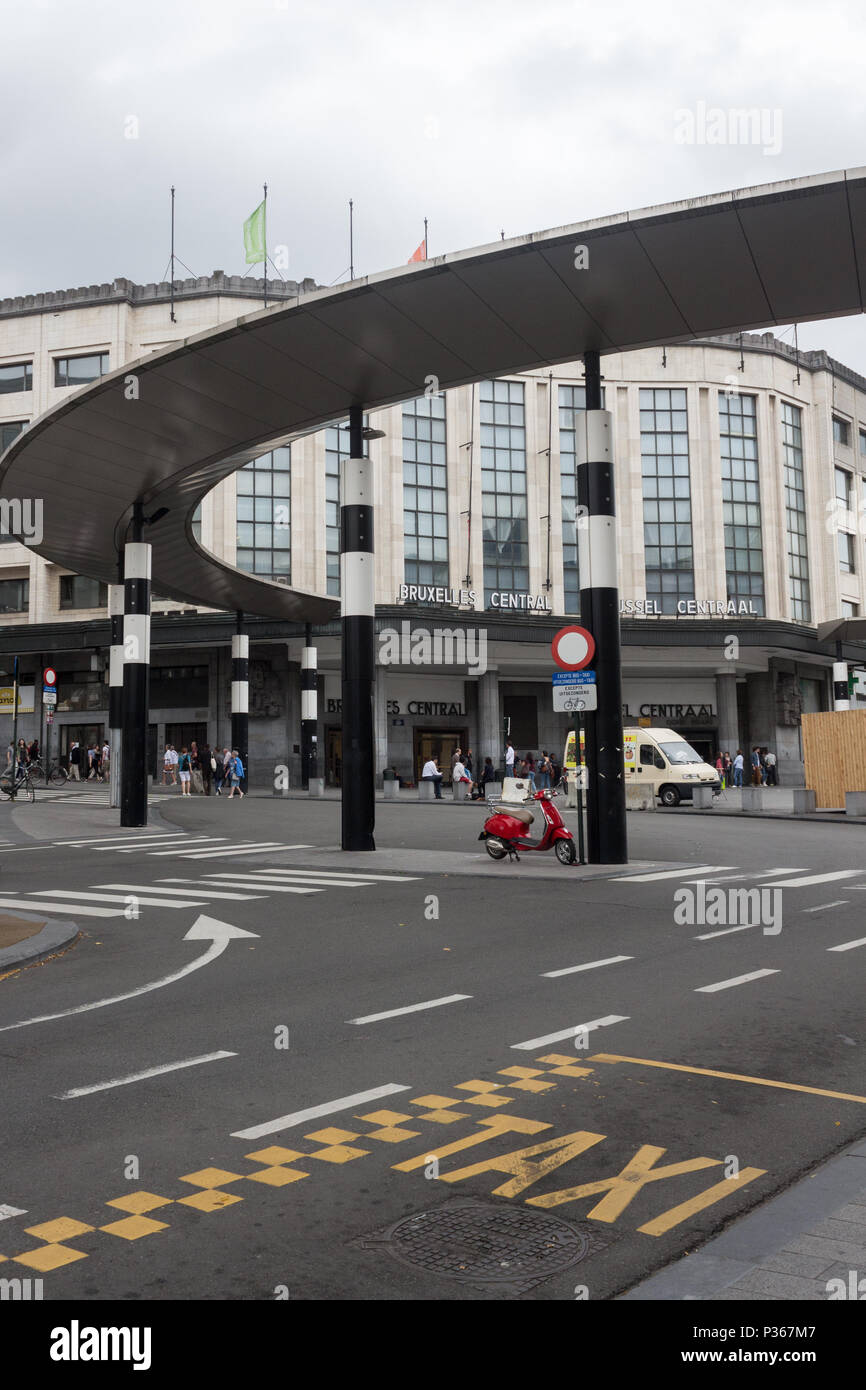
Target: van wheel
669 796
495 849
565 851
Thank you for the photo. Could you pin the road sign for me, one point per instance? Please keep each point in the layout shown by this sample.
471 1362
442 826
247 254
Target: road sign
573 678
574 699
50 676
573 648
49 697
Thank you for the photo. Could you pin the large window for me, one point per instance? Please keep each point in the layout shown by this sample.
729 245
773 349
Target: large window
425 492
843 488
78 592
263 533
503 487
845 547
744 556
336 449
14 595
9 430
667 507
78 371
795 512
16 376
841 431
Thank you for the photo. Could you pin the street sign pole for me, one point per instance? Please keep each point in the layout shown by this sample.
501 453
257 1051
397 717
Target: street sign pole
599 612
581 848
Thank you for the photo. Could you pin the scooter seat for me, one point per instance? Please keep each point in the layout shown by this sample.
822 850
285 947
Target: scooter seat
518 812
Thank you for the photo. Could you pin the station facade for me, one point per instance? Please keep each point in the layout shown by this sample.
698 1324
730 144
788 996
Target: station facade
740 472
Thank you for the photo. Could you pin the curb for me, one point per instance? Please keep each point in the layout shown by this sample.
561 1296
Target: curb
51 938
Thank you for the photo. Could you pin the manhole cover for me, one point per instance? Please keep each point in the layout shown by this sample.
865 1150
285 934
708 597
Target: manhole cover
488 1245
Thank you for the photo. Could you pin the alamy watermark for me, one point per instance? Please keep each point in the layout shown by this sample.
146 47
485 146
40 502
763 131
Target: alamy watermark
439 646
22 518
736 125
709 905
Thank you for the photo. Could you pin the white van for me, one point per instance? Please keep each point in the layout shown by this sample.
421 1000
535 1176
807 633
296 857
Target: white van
661 757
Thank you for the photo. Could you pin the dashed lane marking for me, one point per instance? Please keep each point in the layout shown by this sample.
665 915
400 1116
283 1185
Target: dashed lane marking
571 1032
726 931
590 965
848 945
737 980
315 1112
411 1008
143 1075
823 907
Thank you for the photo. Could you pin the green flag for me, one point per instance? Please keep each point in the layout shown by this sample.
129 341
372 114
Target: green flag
254 235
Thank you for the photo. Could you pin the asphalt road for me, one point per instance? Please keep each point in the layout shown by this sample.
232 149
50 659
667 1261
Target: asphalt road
211 1181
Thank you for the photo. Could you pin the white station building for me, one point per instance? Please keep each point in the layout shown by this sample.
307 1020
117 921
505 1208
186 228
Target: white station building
741 502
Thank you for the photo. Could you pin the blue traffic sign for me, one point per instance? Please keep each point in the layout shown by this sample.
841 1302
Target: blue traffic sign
573 678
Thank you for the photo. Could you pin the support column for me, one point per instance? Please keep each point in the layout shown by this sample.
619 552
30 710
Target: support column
841 700
309 711
380 724
726 704
241 696
599 610
490 740
115 690
136 675
358 624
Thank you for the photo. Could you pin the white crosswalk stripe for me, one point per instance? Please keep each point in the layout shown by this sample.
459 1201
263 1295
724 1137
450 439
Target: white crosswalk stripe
201 890
265 847
336 874
91 897
657 875
175 845
230 882
809 879
44 909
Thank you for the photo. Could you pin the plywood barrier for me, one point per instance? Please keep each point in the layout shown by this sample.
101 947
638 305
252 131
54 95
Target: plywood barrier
834 753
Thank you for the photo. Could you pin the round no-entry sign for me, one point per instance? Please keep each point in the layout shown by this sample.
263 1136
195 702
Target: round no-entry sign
573 648
50 677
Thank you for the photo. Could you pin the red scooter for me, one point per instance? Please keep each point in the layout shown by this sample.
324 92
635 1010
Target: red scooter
506 829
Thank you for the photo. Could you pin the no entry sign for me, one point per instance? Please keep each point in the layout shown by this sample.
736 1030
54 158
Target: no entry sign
50 676
573 648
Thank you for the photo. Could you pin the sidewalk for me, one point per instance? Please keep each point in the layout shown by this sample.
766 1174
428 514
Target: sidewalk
787 1249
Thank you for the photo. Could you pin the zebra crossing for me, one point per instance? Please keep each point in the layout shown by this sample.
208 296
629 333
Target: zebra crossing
176 844
121 899
784 876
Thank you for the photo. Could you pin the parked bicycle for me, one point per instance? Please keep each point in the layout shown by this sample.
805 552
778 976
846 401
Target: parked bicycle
57 775
24 788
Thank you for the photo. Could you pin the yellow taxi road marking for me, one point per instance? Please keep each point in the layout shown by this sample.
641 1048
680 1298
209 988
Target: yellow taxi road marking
848 945
590 965
726 1076
736 980
668 1219
143 1075
330 1107
496 1125
572 1032
411 1008
624 1186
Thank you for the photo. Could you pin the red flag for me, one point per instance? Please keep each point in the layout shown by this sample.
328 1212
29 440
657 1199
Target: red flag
420 254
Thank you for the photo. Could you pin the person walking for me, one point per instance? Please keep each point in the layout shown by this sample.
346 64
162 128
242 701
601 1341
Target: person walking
236 772
728 769
542 775
207 768
755 761
720 769
770 763
166 765
455 758
105 761
430 773
184 769
467 761
75 762
738 768
529 770
509 758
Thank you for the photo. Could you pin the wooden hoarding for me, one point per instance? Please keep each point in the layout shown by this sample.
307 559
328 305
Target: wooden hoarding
834 753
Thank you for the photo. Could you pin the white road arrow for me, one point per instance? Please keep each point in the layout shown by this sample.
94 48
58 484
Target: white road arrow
219 934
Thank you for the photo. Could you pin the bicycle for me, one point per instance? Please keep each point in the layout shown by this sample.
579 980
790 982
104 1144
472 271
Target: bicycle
57 775
23 785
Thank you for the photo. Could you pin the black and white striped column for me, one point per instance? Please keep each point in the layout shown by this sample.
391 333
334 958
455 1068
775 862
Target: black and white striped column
841 693
599 612
115 689
309 711
136 676
241 696
358 641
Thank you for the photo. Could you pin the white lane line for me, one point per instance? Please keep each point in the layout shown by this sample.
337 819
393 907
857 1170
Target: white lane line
341 873
570 1032
281 885
710 935
25 849
591 965
300 1117
201 890
143 1075
43 909
6 1211
91 897
693 869
231 882
848 945
737 980
818 878
840 902
411 1008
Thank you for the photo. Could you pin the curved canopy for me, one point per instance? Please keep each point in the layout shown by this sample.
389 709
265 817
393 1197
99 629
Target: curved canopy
754 258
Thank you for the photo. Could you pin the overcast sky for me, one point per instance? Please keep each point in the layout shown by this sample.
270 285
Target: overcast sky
481 115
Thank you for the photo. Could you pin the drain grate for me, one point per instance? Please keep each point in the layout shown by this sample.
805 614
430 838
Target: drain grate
486 1244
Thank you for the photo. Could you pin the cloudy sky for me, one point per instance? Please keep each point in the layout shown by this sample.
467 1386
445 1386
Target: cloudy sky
482 115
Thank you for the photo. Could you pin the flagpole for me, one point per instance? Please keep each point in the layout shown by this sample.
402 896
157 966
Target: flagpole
265 238
173 319
351 242
426 247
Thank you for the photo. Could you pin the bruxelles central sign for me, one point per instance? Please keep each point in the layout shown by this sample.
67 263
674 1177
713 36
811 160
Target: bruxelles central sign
468 598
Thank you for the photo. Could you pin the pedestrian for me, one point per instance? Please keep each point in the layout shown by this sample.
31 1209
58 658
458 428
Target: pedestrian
728 769
770 761
430 773
529 770
207 768
236 772
105 763
459 774
184 769
738 768
542 775
33 751
197 778
455 758
10 754
75 762
467 761
488 774
22 755
720 769
166 765
755 761
509 758
217 762
174 758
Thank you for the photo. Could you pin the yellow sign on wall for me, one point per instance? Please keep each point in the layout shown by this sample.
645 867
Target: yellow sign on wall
25 699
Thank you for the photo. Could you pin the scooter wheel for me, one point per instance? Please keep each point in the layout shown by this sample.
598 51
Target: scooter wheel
565 851
495 849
